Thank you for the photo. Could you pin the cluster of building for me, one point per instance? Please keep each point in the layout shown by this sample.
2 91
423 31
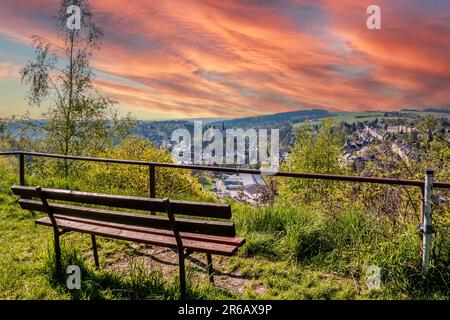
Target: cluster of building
250 188
390 140
356 147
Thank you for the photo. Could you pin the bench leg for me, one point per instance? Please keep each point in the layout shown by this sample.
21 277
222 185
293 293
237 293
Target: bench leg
57 250
210 268
94 248
182 275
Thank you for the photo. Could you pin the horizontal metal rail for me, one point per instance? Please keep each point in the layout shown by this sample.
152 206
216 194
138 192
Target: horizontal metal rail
315 176
426 185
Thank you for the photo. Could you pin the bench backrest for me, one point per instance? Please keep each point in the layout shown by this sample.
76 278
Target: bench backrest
31 200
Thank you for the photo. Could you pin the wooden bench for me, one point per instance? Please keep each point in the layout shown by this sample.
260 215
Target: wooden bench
186 235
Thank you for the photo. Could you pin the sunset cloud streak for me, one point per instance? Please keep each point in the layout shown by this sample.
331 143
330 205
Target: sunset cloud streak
204 58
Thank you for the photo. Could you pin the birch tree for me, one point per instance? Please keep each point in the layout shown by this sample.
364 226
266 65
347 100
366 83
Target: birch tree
78 119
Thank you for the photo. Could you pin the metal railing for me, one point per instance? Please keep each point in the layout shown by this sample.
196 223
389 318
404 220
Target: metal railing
427 185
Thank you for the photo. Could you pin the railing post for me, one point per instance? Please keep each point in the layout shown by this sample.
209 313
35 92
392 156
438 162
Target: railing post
22 169
152 175
426 227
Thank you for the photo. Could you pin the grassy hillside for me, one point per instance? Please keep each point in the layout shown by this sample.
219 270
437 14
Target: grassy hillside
351 117
291 253
273 119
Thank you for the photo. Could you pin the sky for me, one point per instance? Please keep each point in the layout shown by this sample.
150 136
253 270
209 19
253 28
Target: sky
233 58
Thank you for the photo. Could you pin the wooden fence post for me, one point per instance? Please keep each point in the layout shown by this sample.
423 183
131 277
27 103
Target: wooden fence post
427 224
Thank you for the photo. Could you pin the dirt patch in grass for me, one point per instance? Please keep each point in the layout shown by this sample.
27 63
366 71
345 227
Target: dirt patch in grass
166 260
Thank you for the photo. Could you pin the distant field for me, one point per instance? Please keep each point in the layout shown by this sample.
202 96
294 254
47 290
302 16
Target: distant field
351 117
357 116
427 114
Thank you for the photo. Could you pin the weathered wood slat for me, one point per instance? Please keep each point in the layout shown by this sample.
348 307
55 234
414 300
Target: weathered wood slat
218 228
199 209
142 237
184 235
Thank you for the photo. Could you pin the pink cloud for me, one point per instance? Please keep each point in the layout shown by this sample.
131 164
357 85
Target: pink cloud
9 70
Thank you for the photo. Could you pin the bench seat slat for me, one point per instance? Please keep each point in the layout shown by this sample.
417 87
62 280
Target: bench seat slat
184 235
217 228
142 237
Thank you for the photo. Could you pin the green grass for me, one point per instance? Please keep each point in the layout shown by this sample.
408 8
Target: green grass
28 267
292 252
344 245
